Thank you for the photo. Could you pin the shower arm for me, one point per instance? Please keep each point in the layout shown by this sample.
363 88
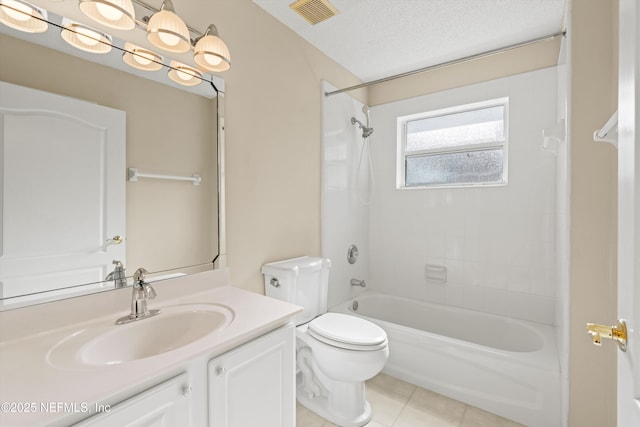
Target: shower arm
354 121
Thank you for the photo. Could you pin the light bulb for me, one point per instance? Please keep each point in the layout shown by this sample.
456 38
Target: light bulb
168 39
23 12
118 14
87 36
109 12
183 75
212 59
143 58
23 16
140 58
84 38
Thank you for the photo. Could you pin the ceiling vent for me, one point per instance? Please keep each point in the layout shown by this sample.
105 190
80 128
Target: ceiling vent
314 11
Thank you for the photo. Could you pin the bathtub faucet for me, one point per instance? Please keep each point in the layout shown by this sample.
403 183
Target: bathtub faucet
356 282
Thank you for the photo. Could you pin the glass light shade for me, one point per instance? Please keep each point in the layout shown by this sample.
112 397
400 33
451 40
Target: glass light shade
22 16
184 75
167 31
118 14
141 58
85 38
212 54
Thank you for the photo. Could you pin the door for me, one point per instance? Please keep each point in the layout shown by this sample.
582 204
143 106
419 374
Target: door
254 385
59 212
629 212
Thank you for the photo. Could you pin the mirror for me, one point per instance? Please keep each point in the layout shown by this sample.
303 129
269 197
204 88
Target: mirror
171 226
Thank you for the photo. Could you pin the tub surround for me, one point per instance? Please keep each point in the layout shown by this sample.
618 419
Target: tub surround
496 242
27 335
345 219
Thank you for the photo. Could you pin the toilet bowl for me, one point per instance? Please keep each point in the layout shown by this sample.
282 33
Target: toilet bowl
336 353
347 348
344 352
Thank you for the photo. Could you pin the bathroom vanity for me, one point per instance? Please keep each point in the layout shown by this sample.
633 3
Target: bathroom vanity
215 356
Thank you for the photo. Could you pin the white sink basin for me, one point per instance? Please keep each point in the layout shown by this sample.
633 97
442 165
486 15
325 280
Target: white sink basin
175 327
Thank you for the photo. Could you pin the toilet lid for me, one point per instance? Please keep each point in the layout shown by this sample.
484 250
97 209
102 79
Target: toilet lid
347 331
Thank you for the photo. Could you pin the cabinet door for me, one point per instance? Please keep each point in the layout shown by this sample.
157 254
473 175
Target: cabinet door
254 385
165 405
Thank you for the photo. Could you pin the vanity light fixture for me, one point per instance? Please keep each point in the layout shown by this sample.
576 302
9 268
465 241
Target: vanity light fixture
167 30
164 29
184 74
211 53
141 58
23 16
85 38
118 14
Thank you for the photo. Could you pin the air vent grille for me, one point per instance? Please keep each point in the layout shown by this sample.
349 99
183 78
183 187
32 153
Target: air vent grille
314 11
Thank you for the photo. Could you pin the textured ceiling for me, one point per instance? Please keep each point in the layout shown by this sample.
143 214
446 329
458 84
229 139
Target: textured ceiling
380 38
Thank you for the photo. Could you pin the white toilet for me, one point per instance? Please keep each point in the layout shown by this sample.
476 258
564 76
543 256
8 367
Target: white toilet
336 353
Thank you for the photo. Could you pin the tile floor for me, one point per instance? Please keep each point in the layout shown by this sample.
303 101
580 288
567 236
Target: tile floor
399 404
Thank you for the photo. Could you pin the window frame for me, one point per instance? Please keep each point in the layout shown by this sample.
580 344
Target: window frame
402 154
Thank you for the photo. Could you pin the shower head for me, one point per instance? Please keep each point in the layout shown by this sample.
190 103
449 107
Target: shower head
366 130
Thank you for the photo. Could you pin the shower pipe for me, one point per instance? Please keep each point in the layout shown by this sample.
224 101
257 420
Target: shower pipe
448 63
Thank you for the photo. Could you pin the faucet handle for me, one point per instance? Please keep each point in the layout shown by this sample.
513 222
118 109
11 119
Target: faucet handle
149 292
138 276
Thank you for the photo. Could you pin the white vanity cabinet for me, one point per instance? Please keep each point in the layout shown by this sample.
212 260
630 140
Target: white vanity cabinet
239 375
165 405
254 384
250 385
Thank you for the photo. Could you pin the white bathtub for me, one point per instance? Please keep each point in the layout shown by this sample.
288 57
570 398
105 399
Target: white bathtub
502 365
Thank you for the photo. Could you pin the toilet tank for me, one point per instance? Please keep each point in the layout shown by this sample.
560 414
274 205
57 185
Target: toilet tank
303 281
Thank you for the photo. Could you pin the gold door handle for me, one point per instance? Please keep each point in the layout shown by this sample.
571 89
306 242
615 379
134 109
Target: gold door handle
115 240
616 333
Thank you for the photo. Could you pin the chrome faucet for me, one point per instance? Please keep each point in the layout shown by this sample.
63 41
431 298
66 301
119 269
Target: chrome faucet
117 275
356 282
142 291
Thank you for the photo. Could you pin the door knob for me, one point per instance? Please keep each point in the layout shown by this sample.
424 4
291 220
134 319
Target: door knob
115 240
616 333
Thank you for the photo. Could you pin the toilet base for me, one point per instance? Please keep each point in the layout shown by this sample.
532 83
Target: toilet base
320 406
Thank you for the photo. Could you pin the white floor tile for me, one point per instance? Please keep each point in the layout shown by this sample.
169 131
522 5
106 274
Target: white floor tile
415 415
475 417
391 384
306 418
396 403
386 406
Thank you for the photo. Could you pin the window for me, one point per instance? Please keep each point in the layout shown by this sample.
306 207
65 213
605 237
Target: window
460 146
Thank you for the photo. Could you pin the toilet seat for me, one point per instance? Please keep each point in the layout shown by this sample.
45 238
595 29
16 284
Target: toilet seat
347 332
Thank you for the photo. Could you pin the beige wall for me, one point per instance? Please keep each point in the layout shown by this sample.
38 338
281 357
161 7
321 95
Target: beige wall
273 138
592 372
169 224
516 61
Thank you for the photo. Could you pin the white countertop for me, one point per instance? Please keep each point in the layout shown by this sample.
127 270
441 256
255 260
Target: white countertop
28 375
